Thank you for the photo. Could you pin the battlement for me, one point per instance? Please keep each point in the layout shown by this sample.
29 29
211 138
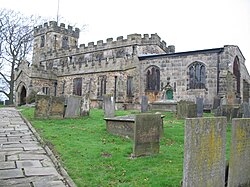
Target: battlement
53 26
132 39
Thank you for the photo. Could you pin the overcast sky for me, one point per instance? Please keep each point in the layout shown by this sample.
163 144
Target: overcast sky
187 24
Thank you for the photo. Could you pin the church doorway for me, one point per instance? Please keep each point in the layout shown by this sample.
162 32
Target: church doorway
23 96
169 94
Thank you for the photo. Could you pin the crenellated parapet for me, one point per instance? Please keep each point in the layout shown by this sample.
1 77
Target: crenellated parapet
53 26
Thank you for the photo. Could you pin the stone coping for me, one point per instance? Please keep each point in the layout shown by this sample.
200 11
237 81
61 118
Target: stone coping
130 118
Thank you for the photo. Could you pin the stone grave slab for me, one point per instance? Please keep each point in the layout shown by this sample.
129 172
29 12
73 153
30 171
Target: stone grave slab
204 152
147 134
239 163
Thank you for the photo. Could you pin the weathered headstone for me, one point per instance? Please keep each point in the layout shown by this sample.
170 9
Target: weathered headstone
42 106
73 106
56 108
246 112
199 103
109 106
204 152
85 106
144 103
147 134
186 109
49 106
216 102
239 164
230 86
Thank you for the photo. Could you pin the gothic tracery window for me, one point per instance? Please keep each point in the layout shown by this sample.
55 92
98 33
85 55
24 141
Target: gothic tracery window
153 79
102 81
197 76
65 43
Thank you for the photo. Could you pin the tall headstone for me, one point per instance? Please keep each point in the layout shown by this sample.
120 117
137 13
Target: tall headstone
216 102
147 134
230 85
239 164
73 108
42 106
204 152
246 111
144 103
199 103
85 106
109 106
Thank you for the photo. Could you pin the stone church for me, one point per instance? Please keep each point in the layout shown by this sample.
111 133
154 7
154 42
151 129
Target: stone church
128 68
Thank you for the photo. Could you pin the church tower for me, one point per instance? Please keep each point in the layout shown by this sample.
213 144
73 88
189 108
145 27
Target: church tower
50 38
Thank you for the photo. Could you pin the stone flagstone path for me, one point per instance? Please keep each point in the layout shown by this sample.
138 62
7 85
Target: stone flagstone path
24 162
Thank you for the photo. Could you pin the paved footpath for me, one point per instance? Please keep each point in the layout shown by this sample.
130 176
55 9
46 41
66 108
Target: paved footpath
23 160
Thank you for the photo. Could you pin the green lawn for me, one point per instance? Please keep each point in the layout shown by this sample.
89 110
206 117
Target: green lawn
92 157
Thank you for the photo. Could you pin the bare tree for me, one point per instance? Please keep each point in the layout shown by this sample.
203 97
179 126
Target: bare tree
15 45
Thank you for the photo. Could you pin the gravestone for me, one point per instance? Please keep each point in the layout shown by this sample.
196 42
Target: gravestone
109 106
230 86
216 102
199 103
144 103
204 152
49 106
186 109
85 106
42 106
246 112
56 107
147 134
73 106
239 164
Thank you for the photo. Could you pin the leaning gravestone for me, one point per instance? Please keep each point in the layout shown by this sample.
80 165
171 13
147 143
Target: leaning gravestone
73 106
239 164
204 152
147 134
199 103
144 103
42 106
109 106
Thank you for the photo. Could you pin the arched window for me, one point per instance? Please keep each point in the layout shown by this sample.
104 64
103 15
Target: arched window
236 72
153 79
197 76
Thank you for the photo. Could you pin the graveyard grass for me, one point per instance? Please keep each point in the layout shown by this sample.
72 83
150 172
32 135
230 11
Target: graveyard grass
92 157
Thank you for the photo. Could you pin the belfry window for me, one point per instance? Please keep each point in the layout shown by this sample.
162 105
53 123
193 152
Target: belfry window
42 41
153 79
77 86
65 44
197 76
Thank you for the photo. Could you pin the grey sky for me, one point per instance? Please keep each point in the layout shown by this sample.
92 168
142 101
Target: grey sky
187 24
